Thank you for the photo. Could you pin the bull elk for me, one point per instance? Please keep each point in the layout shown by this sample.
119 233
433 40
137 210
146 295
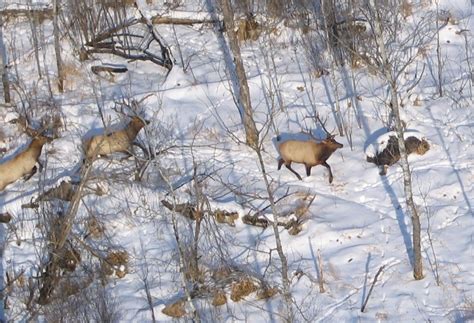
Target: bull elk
23 164
117 141
310 153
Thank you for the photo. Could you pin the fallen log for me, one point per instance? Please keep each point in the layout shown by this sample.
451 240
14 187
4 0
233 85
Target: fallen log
190 211
160 20
109 69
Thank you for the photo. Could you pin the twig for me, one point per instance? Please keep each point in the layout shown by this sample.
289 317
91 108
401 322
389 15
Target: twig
362 309
320 268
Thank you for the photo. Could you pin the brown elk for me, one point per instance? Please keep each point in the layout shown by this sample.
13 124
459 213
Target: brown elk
23 164
391 154
310 153
117 141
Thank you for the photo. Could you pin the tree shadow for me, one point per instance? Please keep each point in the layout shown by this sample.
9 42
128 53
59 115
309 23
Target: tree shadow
372 137
364 288
228 57
400 219
452 164
331 100
351 92
315 261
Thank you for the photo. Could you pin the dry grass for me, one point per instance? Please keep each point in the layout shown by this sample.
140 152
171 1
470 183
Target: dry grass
226 217
116 262
248 29
118 4
222 273
318 72
406 8
95 229
73 74
3 136
176 309
242 288
71 69
417 102
265 293
38 15
219 298
69 259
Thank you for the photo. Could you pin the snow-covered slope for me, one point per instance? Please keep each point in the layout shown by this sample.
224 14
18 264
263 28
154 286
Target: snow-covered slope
356 224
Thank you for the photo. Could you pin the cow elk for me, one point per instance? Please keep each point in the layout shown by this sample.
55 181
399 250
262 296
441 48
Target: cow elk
391 154
117 141
310 153
23 164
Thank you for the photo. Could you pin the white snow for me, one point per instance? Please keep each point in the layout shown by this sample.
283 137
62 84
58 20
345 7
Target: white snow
358 223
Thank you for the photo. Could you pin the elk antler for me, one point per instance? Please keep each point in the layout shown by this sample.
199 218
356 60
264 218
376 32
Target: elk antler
328 134
24 125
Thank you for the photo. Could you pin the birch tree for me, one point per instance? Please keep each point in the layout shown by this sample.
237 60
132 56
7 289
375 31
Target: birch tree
390 70
57 46
4 62
256 143
243 95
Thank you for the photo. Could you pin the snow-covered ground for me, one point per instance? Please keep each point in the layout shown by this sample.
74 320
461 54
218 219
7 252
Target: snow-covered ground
357 224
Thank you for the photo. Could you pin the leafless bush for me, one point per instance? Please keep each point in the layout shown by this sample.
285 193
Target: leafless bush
108 27
90 304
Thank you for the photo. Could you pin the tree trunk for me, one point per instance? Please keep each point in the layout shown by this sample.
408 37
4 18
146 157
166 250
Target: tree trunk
438 54
332 42
281 254
33 19
407 185
4 64
57 46
243 96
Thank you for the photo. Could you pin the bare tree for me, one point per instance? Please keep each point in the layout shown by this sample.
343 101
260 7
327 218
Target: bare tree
273 105
33 20
57 46
4 62
243 95
390 72
105 27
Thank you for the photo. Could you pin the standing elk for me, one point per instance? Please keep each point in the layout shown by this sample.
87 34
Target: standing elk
117 141
23 164
310 153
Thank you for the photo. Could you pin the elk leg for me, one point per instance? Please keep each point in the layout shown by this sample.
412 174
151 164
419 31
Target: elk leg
40 166
383 170
280 162
293 171
143 148
128 154
325 164
308 170
30 174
